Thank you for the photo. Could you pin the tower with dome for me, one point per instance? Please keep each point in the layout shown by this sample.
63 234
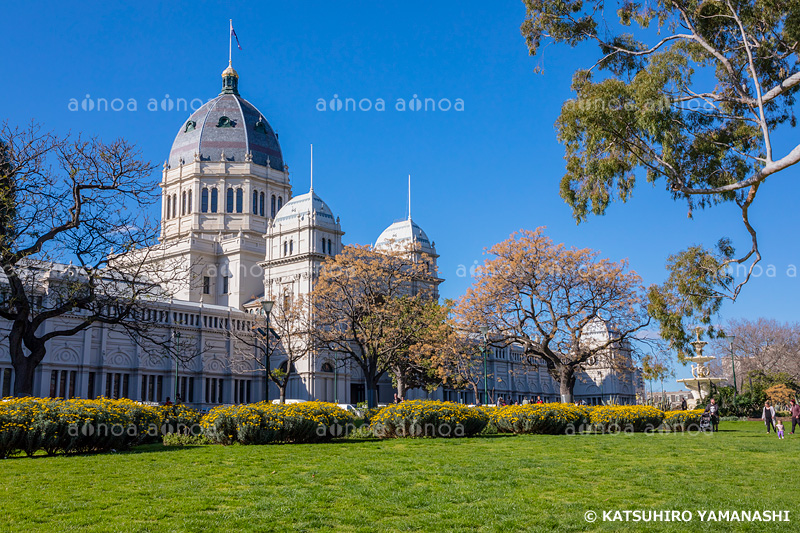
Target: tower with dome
223 184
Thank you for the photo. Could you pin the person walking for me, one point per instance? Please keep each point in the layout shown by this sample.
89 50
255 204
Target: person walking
779 428
684 406
768 415
713 410
794 409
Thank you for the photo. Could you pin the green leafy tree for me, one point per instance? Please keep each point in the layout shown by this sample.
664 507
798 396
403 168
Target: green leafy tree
690 94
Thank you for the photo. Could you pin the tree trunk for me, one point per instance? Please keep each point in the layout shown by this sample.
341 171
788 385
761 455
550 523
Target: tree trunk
24 366
401 386
282 388
566 382
476 390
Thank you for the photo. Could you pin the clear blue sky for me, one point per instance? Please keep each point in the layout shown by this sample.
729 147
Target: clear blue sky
478 174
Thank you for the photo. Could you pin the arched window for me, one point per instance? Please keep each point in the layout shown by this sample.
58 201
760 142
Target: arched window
291 246
255 202
329 247
189 203
204 200
174 205
273 207
239 200
214 199
229 200
323 245
327 366
262 204
183 203
280 202
285 247
169 207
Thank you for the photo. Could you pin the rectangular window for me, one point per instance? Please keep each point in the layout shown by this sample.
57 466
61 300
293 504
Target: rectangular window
73 377
117 385
109 377
90 386
160 388
62 384
219 395
53 383
190 395
224 284
229 200
126 382
208 390
235 391
206 285
151 388
248 392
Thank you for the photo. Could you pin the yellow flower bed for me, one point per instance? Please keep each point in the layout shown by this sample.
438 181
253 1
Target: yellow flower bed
264 423
427 418
614 418
543 418
55 425
683 420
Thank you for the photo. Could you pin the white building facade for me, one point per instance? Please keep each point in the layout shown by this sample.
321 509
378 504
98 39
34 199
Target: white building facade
230 220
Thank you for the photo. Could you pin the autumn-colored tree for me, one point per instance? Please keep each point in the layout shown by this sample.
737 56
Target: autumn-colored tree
692 94
549 298
780 394
73 242
284 341
359 308
459 363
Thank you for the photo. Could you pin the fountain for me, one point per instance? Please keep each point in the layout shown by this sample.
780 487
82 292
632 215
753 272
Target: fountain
701 381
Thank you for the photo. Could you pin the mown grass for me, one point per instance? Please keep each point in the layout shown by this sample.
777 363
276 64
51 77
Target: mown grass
496 483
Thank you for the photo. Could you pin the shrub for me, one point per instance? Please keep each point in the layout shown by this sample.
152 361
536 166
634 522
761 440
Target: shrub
426 418
73 426
180 419
264 423
613 418
184 439
545 418
682 420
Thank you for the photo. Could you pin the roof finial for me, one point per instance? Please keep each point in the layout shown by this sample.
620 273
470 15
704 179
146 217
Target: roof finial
312 169
409 197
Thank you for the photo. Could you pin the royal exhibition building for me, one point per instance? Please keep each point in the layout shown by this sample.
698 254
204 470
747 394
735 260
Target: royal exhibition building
231 218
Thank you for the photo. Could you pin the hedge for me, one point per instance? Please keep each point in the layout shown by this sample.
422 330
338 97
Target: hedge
614 418
427 418
30 425
265 423
682 420
546 418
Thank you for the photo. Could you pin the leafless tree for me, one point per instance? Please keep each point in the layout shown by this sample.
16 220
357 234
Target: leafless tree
74 241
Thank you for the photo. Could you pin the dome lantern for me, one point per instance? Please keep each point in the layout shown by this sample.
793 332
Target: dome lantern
230 80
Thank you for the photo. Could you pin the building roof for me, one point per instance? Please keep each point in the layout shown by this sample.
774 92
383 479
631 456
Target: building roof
402 232
227 124
304 205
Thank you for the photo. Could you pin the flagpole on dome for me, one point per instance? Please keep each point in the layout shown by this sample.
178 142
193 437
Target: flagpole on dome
230 44
409 197
312 171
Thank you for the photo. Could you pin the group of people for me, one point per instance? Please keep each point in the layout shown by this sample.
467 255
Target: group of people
525 401
772 421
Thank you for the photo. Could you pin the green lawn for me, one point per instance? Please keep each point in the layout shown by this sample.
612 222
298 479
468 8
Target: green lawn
500 483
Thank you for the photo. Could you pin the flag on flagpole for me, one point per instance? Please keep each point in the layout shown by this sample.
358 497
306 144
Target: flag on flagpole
233 34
